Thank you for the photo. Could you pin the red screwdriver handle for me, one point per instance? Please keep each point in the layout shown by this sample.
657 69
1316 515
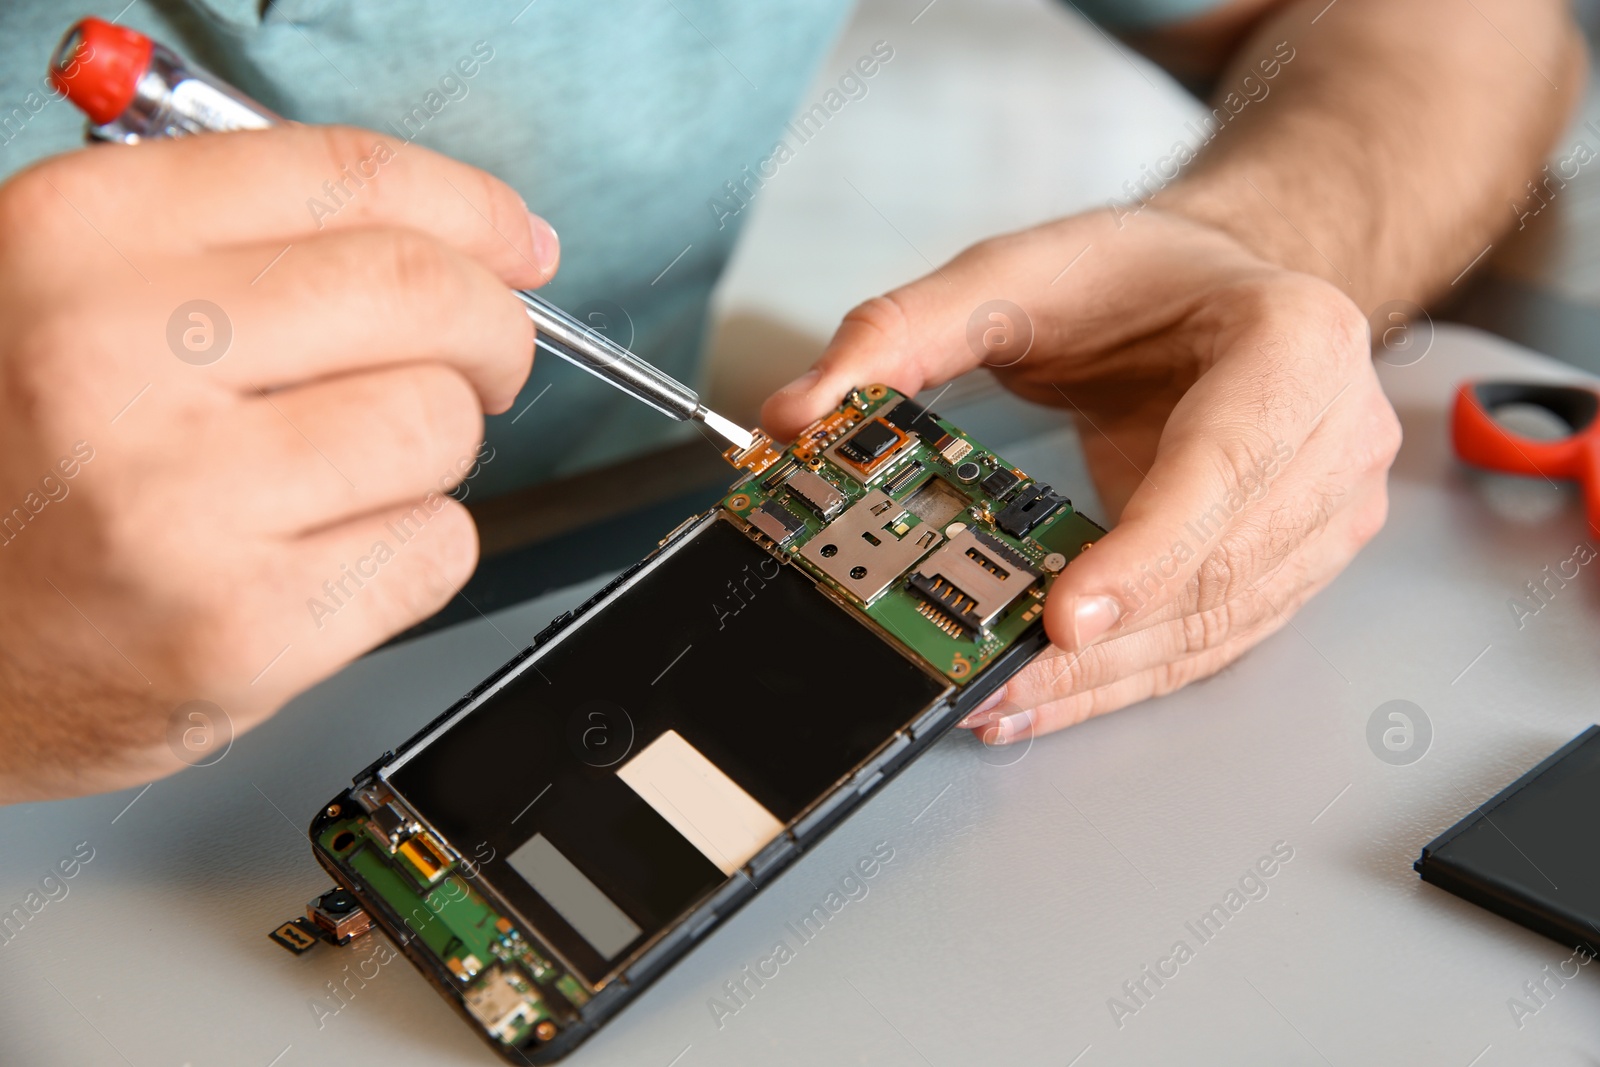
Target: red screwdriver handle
98 66
133 89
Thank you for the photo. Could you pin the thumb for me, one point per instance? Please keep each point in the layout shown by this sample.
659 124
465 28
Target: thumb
910 339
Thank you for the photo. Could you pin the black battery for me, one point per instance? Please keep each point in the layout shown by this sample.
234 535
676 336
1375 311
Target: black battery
1532 854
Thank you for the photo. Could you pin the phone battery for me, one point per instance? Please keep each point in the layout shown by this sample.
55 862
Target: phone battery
1532 854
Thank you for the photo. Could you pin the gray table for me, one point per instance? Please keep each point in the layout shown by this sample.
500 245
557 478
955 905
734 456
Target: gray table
1026 886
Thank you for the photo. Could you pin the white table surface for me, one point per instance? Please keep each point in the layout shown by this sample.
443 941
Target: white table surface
1024 891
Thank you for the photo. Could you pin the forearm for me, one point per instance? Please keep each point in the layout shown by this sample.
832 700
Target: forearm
1390 150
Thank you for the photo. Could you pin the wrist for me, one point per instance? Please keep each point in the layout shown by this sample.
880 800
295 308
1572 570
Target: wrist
1218 201
1265 218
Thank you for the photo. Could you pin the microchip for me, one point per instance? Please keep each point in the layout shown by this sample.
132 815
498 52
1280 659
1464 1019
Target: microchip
777 522
1000 483
1031 507
905 414
869 443
912 417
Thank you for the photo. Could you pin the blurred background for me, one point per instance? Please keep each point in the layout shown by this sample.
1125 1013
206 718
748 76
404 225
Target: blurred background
1540 286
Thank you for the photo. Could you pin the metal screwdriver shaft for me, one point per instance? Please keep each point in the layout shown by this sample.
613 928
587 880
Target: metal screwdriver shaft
596 353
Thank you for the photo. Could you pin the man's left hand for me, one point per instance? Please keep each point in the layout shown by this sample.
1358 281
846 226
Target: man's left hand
1229 413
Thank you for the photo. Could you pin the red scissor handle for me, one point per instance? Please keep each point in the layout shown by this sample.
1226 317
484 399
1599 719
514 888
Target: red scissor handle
1483 442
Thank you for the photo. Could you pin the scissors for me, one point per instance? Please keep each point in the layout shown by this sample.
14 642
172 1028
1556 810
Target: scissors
1483 442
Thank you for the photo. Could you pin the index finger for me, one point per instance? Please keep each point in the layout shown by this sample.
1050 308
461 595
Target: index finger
263 186
944 324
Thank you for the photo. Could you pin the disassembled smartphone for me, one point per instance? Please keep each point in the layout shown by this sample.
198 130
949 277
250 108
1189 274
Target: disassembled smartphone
551 844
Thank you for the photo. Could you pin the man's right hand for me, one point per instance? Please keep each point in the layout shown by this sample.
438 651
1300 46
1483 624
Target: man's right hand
181 484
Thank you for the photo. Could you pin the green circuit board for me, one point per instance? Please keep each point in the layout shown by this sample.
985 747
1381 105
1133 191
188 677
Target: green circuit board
933 537
425 890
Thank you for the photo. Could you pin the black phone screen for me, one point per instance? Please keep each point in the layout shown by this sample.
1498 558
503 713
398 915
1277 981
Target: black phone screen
624 774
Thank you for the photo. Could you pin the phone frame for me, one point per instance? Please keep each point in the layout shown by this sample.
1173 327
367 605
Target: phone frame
802 834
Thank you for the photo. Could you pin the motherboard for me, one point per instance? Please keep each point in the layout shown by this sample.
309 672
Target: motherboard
931 536
539 892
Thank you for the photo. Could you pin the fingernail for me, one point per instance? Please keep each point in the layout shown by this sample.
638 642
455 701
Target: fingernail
803 384
1009 728
546 245
1092 616
983 714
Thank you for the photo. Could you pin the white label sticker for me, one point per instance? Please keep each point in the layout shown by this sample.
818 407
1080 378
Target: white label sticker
707 807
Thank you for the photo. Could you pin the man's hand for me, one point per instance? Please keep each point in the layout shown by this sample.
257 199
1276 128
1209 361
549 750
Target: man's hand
226 503
1229 413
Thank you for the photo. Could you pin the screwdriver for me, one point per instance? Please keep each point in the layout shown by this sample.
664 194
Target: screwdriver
134 89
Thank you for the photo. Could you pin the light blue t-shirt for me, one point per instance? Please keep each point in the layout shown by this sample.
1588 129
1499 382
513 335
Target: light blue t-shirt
1141 14
620 121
